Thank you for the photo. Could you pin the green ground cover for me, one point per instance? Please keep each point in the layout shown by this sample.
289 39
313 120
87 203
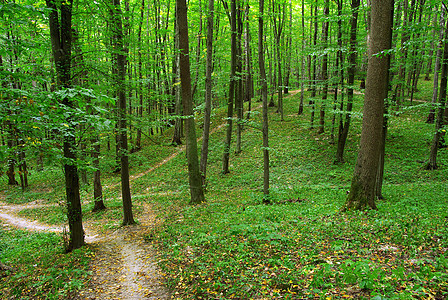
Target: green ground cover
300 247
41 268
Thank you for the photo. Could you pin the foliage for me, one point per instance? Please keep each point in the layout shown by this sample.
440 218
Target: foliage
41 269
302 246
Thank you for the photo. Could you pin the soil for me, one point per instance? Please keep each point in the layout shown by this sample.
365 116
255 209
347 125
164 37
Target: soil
125 266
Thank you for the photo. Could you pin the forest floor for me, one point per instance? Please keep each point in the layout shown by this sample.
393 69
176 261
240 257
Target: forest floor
124 265
233 247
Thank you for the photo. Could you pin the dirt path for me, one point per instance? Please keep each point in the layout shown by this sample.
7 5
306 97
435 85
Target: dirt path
8 213
124 266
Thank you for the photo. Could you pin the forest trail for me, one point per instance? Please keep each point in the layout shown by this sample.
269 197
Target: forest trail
182 148
166 160
124 266
8 213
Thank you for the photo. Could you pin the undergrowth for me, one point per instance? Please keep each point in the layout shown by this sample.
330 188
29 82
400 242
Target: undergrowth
41 269
299 247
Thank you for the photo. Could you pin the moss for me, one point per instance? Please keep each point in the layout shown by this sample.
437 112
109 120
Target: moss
359 198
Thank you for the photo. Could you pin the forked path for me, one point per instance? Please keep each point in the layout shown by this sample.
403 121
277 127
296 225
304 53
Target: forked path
125 265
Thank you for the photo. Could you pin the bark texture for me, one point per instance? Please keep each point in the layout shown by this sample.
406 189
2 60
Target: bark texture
196 190
119 57
233 61
362 193
441 109
208 91
344 126
60 20
264 96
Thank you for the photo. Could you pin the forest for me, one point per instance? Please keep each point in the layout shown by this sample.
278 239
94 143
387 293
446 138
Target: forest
233 149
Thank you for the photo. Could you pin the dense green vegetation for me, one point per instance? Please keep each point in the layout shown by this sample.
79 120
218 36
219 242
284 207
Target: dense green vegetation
234 246
302 246
41 268
89 89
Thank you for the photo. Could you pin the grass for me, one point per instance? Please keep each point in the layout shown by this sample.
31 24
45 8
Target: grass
234 247
41 269
301 246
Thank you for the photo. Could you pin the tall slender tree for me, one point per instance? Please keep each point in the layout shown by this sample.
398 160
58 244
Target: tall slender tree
345 125
119 57
231 96
196 190
208 91
362 192
324 67
278 22
440 118
435 91
264 96
60 18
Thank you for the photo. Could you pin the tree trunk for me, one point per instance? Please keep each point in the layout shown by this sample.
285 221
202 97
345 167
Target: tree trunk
344 126
249 83
178 123
302 62
399 89
11 160
288 53
362 193
198 51
314 81
264 96
324 69
138 139
431 47
380 174
278 21
226 155
208 91
339 73
239 85
432 112
97 187
23 170
196 191
119 57
432 165
61 43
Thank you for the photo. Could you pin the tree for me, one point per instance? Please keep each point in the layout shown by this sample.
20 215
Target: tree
278 22
313 64
440 119
97 187
233 61
432 112
345 125
60 18
140 74
119 58
208 92
362 192
324 67
196 191
302 63
264 96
